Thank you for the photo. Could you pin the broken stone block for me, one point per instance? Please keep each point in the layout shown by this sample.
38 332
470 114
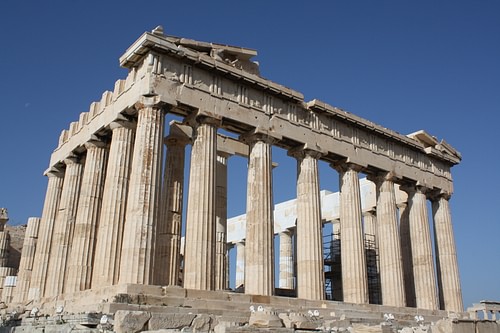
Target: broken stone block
201 323
301 321
223 326
265 319
131 321
286 320
361 328
170 320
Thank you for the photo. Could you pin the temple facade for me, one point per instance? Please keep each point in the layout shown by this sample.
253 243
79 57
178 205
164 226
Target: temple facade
114 202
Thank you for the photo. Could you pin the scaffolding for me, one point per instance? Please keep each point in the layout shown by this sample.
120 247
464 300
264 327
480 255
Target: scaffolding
333 268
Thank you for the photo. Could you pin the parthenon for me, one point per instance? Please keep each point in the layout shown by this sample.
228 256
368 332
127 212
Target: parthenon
113 208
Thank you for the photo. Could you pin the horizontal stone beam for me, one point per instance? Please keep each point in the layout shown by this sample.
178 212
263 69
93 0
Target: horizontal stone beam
225 144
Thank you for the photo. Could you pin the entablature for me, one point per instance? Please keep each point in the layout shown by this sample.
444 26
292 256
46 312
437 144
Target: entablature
197 53
181 73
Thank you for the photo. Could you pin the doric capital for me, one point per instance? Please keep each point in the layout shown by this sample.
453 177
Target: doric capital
343 166
222 157
382 176
437 194
149 102
287 231
176 140
208 120
196 119
301 152
370 212
94 143
412 188
122 123
72 159
54 172
253 136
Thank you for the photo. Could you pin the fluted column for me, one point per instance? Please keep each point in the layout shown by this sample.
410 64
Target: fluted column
405 241
114 202
89 206
450 292
286 260
354 275
167 262
4 248
310 271
143 199
199 258
421 249
221 223
63 228
259 252
27 259
240 264
4 272
391 265
46 229
370 224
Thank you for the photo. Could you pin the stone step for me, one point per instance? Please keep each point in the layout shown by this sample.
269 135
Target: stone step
224 305
219 303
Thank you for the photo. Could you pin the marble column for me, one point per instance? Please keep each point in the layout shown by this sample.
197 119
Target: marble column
391 265
310 271
63 227
240 264
4 273
46 229
9 287
221 249
336 229
143 198
114 202
167 261
199 258
81 259
405 241
286 260
27 260
370 224
4 248
354 275
259 251
450 292
421 249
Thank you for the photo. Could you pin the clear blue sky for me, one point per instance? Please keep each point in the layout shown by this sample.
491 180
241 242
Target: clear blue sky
406 65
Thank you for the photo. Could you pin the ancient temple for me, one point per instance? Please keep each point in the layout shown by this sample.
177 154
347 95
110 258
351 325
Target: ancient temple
113 208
